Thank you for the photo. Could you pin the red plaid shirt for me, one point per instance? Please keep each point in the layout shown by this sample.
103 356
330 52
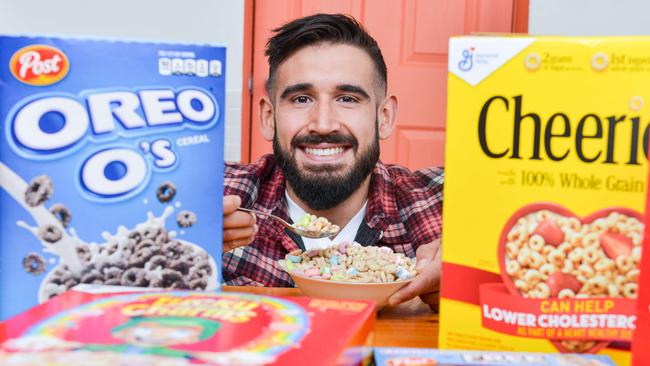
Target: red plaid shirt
404 211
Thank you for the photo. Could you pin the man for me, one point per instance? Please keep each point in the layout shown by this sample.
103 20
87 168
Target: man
327 108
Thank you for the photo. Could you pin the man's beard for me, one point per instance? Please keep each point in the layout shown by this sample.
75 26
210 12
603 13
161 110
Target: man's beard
327 186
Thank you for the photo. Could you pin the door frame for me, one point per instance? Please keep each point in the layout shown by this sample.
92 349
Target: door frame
247 81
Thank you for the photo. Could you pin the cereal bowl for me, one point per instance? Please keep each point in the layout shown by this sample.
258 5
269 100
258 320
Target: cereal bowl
349 271
326 289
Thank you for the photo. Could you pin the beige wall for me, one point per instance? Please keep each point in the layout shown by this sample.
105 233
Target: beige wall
589 17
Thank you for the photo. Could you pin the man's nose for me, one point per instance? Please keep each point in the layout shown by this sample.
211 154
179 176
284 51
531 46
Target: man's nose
324 119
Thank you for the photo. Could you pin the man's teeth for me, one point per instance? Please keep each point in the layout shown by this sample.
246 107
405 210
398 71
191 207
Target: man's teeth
324 152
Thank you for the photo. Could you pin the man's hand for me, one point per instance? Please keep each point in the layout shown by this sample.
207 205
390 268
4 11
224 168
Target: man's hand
239 228
427 283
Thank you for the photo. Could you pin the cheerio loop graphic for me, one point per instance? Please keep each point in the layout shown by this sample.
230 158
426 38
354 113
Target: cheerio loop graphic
533 61
599 61
636 103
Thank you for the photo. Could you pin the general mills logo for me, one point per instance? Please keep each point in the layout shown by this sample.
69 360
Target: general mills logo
467 62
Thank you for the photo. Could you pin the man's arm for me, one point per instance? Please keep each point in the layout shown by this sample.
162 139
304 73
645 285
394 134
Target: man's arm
427 283
426 226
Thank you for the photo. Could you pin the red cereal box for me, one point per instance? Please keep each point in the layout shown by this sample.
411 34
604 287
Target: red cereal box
640 349
187 328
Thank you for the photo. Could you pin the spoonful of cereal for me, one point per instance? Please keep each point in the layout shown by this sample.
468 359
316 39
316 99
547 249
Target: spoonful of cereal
309 226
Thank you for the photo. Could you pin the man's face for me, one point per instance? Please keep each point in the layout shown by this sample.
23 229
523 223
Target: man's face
325 102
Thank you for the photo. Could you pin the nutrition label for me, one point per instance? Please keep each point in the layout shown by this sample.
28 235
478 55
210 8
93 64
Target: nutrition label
189 66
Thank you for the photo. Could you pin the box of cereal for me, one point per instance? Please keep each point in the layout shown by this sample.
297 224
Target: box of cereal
546 166
640 349
111 166
176 328
395 356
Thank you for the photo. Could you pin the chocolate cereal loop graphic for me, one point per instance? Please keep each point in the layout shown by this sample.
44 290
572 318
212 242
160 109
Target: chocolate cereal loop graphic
186 219
34 263
166 192
39 190
61 213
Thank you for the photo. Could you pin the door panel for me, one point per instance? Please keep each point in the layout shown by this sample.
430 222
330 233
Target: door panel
352 7
414 37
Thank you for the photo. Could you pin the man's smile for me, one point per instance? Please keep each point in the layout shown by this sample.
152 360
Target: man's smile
324 152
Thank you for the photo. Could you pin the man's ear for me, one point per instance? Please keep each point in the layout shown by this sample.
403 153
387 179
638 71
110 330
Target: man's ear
267 120
387 115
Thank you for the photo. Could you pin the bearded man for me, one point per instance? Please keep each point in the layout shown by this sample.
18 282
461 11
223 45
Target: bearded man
326 110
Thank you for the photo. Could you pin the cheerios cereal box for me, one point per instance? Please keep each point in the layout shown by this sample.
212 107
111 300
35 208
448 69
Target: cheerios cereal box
111 166
545 192
176 328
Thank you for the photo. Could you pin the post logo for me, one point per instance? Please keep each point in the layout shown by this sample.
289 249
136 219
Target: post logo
39 65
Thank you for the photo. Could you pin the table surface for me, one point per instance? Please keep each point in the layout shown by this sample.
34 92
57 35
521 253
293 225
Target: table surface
411 324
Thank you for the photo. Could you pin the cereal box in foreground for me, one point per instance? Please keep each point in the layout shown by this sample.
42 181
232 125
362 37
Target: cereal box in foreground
391 356
111 166
187 328
641 341
546 176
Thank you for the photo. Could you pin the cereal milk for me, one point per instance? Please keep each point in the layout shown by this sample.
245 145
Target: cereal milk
111 166
545 193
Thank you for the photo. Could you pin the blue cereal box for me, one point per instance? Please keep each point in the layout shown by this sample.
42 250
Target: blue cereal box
387 356
111 166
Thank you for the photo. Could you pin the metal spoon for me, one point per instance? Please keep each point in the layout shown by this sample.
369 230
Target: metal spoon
293 228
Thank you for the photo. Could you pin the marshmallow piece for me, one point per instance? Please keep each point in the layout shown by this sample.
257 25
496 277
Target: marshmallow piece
294 258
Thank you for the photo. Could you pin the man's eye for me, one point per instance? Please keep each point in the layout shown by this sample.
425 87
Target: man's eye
301 99
347 99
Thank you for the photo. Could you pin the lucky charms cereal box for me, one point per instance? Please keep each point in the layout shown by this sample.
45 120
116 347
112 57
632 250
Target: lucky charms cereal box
546 170
111 166
187 328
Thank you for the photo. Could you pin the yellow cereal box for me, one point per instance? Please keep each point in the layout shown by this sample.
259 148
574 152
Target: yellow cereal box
546 171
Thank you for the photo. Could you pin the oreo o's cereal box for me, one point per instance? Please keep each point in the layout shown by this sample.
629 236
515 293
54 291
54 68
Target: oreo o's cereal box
111 166
545 190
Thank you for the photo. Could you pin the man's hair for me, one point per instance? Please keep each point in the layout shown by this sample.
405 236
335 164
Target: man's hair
317 29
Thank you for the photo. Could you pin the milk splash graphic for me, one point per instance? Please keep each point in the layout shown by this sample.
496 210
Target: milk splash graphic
67 248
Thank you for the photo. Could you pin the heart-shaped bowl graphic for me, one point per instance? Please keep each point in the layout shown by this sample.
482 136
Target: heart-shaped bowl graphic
525 211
